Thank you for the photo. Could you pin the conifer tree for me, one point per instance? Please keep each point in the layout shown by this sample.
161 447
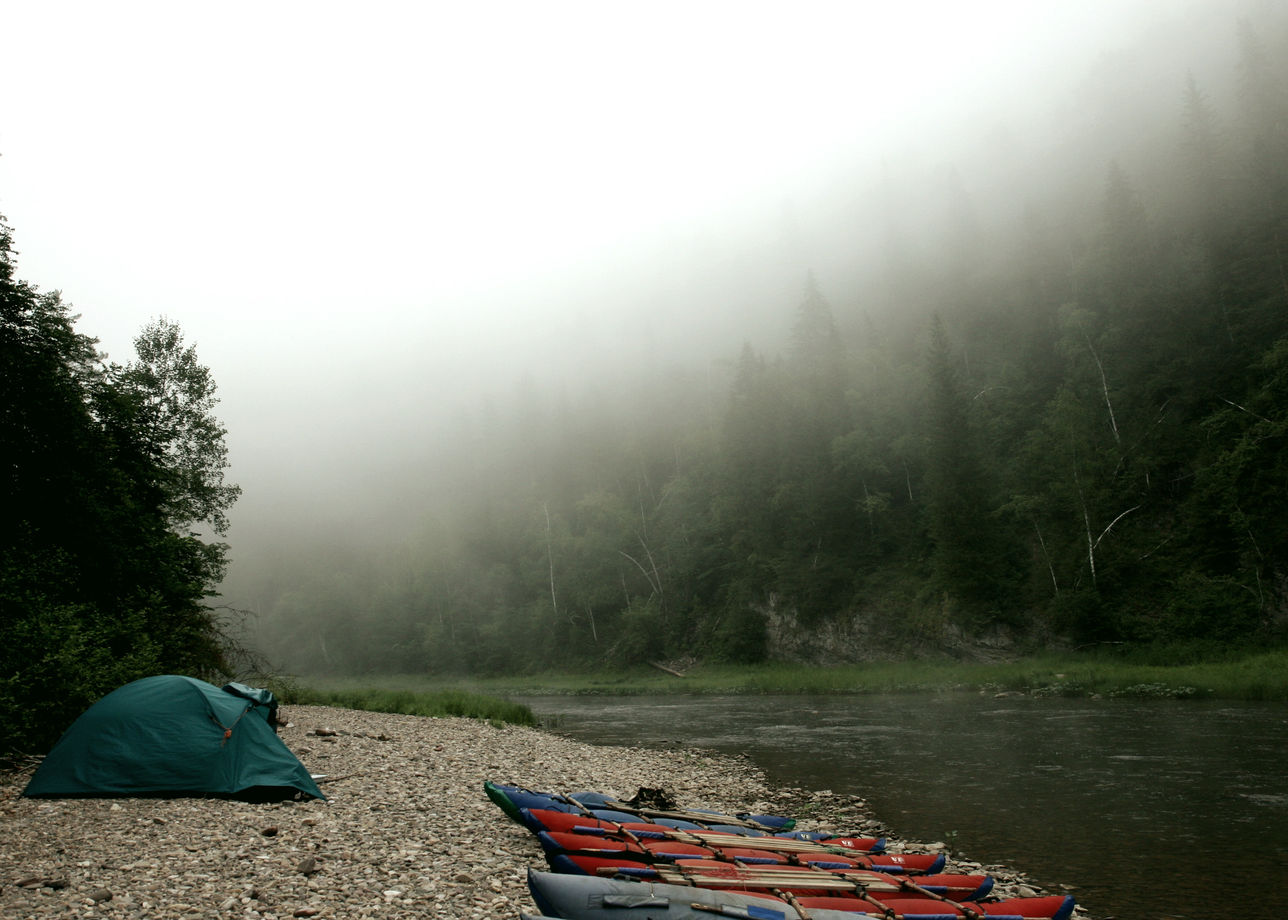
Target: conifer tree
966 558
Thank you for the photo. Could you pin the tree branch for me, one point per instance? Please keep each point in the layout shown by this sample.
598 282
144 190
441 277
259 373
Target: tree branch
643 571
1113 522
1104 386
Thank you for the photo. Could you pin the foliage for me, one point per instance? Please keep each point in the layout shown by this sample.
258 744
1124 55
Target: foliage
105 469
1060 431
164 402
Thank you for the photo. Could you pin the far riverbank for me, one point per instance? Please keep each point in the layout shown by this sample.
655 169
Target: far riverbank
1253 675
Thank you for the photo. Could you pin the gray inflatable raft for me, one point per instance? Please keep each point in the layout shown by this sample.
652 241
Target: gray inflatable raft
586 897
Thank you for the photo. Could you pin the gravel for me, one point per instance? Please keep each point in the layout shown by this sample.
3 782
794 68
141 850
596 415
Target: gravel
406 831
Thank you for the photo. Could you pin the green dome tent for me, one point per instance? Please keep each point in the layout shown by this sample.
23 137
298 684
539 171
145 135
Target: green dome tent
172 735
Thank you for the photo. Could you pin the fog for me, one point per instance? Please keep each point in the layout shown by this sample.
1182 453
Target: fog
376 222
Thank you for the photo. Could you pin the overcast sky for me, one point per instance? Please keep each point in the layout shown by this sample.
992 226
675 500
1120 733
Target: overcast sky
323 195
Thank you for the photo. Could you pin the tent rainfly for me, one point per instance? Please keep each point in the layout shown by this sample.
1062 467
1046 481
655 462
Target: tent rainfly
173 735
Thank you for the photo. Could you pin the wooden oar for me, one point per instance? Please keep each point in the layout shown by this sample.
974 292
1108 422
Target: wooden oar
779 844
723 838
860 881
730 910
790 898
567 799
718 844
803 877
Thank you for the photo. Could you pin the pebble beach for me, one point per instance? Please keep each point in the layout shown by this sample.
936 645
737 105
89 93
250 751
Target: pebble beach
406 830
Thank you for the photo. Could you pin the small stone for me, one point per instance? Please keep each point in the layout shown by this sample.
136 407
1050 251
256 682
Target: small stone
307 912
307 866
269 831
100 895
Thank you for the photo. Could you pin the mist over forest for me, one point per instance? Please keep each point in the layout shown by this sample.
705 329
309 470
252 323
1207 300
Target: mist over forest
1010 378
453 342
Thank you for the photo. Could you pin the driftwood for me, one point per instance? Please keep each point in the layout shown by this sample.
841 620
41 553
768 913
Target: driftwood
662 667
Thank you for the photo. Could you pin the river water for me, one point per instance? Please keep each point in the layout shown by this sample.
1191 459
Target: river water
1143 810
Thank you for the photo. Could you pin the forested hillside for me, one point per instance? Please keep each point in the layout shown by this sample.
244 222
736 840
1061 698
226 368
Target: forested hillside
1058 418
109 472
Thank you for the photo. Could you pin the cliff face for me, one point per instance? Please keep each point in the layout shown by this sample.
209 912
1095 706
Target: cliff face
872 635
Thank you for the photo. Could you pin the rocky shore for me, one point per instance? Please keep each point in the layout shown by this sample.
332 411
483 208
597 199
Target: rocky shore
406 832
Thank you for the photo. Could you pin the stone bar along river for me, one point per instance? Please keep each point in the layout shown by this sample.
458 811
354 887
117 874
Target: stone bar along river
1142 809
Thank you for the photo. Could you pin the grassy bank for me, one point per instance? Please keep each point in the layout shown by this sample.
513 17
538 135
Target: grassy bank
374 696
1169 673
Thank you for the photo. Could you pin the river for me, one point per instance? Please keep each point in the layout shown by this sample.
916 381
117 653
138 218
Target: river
1142 809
